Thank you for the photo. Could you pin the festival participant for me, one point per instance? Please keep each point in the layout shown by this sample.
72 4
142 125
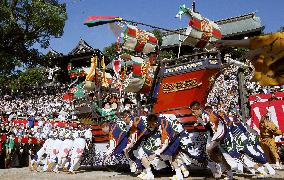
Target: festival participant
33 149
253 148
137 131
9 147
16 151
44 151
239 146
177 151
268 130
154 146
31 120
23 153
77 151
54 153
65 151
202 117
113 101
107 113
219 131
118 134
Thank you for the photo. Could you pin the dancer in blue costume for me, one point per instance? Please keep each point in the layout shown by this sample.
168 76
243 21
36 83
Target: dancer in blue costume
220 133
239 145
160 143
119 134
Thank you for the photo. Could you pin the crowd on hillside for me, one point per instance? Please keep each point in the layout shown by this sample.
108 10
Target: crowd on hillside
44 103
225 92
47 102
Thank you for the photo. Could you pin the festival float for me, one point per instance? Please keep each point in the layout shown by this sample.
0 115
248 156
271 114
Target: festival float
170 85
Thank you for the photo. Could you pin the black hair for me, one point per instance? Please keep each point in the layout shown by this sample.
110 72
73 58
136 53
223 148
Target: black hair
194 103
152 117
208 107
127 101
125 112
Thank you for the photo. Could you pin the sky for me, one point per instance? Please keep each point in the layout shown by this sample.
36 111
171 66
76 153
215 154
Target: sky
155 12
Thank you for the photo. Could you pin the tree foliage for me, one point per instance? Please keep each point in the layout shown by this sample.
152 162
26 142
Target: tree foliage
166 54
158 34
25 23
23 81
110 51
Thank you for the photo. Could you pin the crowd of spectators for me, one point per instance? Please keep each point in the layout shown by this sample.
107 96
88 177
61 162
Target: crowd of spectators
45 103
225 92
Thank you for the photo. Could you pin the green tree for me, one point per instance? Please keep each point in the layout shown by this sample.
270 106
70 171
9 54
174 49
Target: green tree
31 77
166 54
110 51
25 23
159 35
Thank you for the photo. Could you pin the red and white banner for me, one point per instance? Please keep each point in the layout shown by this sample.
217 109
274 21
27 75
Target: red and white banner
265 97
274 107
139 40
57 123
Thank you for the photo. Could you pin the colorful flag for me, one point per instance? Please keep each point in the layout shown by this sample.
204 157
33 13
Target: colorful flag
104 75
100 20
137 66
116 65
78 91
92 71
139 40
200 30
69 67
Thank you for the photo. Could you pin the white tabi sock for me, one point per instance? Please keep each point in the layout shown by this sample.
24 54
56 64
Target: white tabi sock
148 171
270 169
261 170
179 174
184 171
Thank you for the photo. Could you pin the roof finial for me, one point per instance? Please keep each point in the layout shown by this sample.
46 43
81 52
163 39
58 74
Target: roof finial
193 6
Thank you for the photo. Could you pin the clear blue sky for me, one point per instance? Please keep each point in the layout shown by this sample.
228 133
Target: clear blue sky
156 12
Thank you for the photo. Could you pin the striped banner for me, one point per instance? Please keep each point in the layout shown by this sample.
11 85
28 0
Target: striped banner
201 31
276 113
139 40
92 71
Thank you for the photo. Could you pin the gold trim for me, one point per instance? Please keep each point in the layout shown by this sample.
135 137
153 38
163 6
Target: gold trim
180 86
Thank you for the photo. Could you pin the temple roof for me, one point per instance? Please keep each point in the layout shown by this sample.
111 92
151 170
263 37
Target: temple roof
230 27
53 54
240 25
82 47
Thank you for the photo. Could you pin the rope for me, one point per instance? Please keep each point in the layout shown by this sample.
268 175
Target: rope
164 29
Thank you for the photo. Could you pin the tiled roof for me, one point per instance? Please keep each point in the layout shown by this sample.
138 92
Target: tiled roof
239 25
82 47
53 54
229 27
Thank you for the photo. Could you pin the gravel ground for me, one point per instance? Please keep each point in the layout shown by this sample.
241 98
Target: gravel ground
99 174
